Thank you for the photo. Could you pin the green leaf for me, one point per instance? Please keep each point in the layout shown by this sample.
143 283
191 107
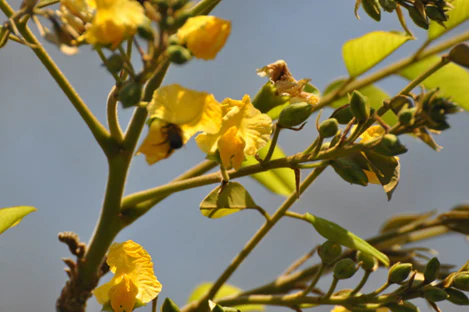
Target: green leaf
223 202
452 80
375 96
458 15
338 234
362 53
387 170
9 217
225 291
280 181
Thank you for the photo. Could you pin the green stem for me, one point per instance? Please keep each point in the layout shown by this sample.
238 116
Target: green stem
315 280
204 7
333 286
260 234
112 117
273 143
362 283
100 133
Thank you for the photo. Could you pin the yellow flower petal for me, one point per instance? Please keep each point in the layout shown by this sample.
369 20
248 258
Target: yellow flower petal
371 133
372 177
253 127
156 145
231 147
123 295
204 36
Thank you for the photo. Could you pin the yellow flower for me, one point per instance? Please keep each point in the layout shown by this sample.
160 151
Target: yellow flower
342 309
83 9
204 35
114 21
244 131
134 281
176 114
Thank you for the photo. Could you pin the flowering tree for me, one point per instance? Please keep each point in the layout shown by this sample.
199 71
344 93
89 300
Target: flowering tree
359 141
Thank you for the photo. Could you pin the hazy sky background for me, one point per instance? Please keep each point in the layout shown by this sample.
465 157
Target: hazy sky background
49 160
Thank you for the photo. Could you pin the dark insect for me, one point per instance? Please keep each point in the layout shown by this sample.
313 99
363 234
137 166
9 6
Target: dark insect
173 137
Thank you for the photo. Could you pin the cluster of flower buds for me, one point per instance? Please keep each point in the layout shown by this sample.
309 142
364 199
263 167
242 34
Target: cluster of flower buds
420 11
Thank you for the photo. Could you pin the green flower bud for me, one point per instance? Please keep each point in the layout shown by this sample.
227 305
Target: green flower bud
435 13
460 54
343 114
174 40
406 306
372 8
294 114
267 98
419 19
344 269
457 297
359 106
369 263
388 5
329 128
407 116
461 281
130 94
399 272
169 306
434 294
178 54
115 63
146 32
390 146
329 251
431 270
350 171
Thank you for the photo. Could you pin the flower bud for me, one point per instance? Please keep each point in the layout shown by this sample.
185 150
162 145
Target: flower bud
344 269
460 55
435 13
267 98
419 19
457 297
115 63
343 114
359 106
388 5
174 40
461 281
130 94
178 54
329 128
399 272
350 171
431 270
406 306
406 116
390 146
295 114
434 294
329 251
169 306
369 263
146 32
372 8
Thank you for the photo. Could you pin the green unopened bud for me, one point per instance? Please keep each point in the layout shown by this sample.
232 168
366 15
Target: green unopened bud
329 251
407 116
295 114
130 94
344 269
457 297
372 8
350 171
174 40
115 63
434 294
369 263
169 306
419 19
399 272
178 54
359 106
388 5
461 281
329 128
146 32
343 114
406 306
390 146
267 98
460 54
435 13
431 270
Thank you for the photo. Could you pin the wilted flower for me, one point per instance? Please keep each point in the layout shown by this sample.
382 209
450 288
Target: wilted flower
204 36
134 283
244 131
175 115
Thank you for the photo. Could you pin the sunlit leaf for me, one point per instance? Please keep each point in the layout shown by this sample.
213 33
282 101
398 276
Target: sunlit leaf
362 53
225 200
225 291
375 97
338 234
458 15
11 216
280 181
452 80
